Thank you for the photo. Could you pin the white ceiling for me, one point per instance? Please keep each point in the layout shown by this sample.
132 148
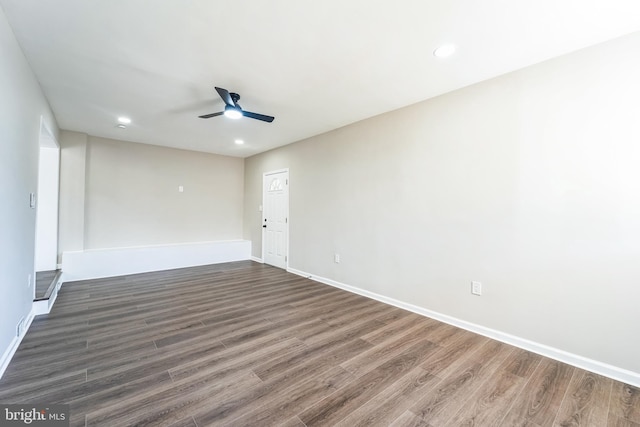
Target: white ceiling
314 65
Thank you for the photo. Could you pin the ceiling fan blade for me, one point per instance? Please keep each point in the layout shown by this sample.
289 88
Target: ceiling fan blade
226 97
208 116
257 116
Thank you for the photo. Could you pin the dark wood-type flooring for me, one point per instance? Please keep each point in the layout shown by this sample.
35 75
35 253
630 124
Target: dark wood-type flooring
244 344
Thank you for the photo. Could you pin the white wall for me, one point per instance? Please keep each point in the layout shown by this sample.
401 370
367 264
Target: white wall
21 105
47 209
528 183
119 194
73 154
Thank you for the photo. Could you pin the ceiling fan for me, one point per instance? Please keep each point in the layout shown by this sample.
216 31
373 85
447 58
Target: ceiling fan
233 110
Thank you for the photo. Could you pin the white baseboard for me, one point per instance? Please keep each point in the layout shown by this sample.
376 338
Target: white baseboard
98 263
41 307
15 343
256 259
614 372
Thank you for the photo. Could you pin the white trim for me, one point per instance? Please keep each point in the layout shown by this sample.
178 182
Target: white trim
98 263
13 346
614 372
256 259
276 171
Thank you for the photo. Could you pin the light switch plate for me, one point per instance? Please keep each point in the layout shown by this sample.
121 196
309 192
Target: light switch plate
476 288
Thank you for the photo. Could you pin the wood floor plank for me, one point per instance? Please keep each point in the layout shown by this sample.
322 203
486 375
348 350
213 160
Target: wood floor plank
394 314
288 402
327 299
615 421
625 402
319 366
239 357
101 398
455 390
540 399
448 359
27 361
108 340
360 390
187 422
586 402
266 329
389 404
378 354
301 356
292 422
397 327
32 391
247 344
171 404
491 401
153 362
367 309
325 313
523 363
409 419
356 328
83 359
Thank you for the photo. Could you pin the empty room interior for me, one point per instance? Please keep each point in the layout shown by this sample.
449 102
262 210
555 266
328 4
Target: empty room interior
332 213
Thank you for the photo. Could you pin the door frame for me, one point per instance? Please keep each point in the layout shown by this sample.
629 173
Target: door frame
47 205
262 217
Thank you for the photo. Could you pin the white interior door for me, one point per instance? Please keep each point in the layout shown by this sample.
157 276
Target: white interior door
275 218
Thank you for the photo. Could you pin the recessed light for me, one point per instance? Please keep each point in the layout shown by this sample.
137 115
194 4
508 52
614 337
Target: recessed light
124 120
121 126
444 51
239 141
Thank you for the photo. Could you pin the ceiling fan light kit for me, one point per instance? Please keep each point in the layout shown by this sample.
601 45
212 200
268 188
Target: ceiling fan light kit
233 110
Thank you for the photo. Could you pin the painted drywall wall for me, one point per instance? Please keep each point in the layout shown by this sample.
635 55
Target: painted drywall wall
21 106
528 183
47 212
125 194
73 155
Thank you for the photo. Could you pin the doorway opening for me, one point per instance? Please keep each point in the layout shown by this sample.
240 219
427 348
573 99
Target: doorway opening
46 245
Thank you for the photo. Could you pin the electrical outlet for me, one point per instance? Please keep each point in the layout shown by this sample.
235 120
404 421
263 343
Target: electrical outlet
336 258
476 288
